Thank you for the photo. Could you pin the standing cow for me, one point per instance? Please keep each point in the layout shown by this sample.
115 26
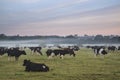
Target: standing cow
60 52
15 52
112 48
118 47
36 49
99 51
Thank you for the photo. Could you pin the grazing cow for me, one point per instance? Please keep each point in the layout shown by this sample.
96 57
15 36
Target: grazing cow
35 67
100 51
61 52
36 49
15 52
49 52
118 47
112 48
76 48
88 47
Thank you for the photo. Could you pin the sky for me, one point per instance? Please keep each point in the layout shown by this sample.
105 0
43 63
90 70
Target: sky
60 17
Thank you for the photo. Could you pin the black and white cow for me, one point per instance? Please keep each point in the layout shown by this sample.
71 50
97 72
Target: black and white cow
60 52
15 52
36 49
111 48
99 51
35 67
76 48
3 50
118 47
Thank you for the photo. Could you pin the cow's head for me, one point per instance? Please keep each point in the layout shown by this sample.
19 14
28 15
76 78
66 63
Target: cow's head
104 52
49 52
71 52
23 52
26 62
45 68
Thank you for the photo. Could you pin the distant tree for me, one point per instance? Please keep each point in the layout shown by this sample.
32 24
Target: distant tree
70 36
85 35
119 39
76 35
99 38
107 39
115 39
3 36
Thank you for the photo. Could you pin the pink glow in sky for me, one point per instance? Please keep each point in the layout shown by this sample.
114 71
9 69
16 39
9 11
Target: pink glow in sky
64 17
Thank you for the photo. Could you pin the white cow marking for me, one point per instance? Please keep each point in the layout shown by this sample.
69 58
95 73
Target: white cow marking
100 51
43 66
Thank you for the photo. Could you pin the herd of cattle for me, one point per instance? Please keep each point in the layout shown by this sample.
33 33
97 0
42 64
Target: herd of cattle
16 52
31 66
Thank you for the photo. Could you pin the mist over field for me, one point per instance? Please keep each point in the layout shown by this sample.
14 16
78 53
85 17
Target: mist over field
26 41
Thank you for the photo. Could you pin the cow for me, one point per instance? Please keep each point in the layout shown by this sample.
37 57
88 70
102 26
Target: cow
3 50
112 48
118 47
35 67
60 52
99 51
49 52
76 48
15 52
36 49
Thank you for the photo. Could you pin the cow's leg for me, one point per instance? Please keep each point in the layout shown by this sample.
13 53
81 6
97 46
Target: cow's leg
73 54
27 69
36 52
61 56
32 52
8 58
16 58
95 55
49 57
52 55
39 52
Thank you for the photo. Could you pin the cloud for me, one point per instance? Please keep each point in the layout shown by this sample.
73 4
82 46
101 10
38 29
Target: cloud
62 18
105 22
95 17
23 1
64 4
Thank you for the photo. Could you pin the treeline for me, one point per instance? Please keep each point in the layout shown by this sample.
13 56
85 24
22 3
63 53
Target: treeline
17 37
81 39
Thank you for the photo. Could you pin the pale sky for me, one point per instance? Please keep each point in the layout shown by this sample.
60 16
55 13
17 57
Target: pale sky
60 17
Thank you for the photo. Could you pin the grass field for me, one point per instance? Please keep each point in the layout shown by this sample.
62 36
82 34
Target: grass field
82 67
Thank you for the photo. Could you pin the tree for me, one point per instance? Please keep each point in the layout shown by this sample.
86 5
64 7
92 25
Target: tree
3 36
99 38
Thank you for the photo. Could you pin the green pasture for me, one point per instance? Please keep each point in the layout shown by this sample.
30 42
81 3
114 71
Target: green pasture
82 67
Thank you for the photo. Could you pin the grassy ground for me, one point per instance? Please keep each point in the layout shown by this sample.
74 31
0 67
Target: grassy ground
82 67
